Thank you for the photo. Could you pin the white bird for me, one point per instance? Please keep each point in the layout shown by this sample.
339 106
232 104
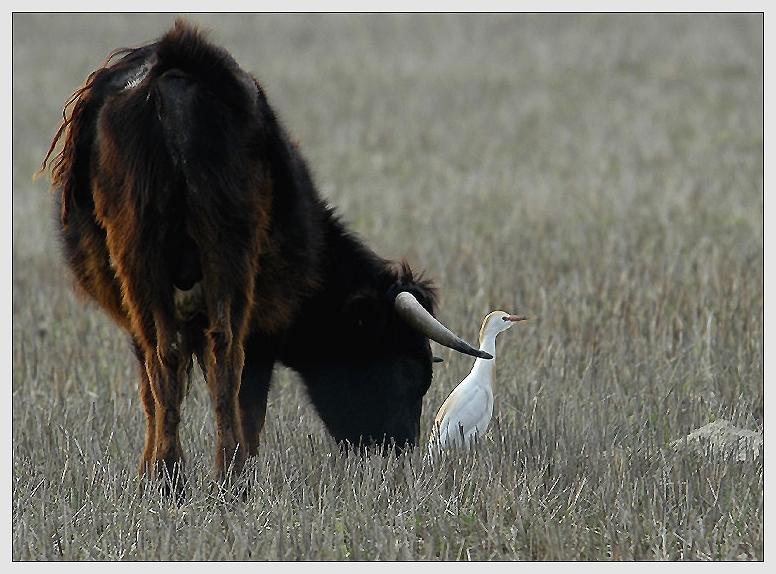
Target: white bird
467 411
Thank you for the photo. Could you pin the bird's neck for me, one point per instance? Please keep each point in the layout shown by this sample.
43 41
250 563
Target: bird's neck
485 368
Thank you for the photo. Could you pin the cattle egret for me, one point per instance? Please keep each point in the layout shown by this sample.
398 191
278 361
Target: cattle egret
467 411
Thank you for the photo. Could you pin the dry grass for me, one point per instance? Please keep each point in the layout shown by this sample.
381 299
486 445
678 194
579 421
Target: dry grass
600 173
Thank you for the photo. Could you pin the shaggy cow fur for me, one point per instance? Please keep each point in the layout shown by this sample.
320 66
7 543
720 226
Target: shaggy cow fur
175 179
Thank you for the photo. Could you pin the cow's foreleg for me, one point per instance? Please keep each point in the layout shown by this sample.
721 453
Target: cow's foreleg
254 388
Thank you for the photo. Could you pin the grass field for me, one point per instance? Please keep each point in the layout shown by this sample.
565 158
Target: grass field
601 173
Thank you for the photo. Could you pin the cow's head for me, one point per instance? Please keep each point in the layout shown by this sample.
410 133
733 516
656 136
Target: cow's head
368 361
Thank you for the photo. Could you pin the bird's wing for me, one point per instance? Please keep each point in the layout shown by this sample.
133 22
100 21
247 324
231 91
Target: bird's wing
467 406
455 396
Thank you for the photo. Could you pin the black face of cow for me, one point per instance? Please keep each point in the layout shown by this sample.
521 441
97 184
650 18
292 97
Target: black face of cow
370 370
371 402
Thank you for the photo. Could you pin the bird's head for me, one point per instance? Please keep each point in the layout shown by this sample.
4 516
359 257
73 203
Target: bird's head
498 321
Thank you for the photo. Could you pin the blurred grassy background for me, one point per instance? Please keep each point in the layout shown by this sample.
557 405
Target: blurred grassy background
601 173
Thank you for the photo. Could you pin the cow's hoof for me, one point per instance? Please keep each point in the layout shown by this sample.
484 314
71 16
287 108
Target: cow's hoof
167 476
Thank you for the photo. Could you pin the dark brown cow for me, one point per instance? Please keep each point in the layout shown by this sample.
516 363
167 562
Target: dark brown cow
189 217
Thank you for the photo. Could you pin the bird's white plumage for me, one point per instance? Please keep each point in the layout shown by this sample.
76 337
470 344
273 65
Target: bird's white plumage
467 411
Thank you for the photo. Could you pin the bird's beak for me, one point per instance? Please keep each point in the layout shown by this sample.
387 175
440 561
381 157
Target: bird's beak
515 318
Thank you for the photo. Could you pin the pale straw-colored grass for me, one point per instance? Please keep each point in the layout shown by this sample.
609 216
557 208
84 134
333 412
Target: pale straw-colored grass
600 173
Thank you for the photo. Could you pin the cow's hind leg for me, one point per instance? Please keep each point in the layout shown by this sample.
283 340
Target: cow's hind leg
229 228
169 370
149 408
224 358
229 300
148 300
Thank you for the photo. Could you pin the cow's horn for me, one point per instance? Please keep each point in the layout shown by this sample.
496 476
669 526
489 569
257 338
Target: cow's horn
410 309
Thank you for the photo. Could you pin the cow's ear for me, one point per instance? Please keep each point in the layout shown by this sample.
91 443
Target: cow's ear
423 289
